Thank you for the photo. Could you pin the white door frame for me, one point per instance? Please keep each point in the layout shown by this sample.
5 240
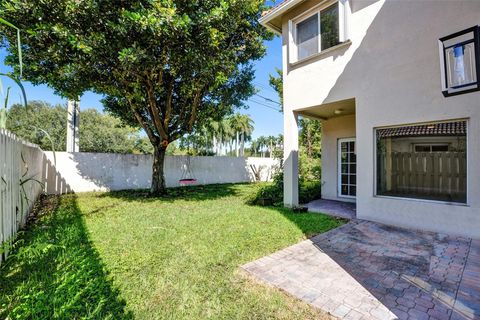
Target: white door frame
339 167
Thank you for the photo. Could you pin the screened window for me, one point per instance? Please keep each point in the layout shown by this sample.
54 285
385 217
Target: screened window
434 169
307 37
318 32
329 27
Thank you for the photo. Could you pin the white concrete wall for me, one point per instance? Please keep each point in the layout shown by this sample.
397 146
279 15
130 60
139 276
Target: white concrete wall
392 70
103 171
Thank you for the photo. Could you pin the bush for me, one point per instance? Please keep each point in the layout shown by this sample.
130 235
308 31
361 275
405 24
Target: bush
309 168
308 191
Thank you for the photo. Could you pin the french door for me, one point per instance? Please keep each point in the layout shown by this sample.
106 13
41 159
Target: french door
347 168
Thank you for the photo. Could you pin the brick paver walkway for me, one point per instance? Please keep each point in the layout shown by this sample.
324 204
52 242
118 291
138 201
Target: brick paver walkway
340 209
366 270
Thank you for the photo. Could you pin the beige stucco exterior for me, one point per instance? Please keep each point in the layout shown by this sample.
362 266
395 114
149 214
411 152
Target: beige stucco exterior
333 130
387 73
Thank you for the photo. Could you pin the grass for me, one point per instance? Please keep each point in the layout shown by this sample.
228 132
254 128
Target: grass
126 255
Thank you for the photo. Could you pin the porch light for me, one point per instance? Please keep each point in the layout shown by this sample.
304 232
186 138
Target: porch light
338 111
460 62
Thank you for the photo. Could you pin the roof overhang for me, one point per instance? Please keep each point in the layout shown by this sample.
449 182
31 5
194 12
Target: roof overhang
329 110
272 20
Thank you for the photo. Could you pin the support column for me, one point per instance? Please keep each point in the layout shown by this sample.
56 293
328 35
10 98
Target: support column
73 134
290 156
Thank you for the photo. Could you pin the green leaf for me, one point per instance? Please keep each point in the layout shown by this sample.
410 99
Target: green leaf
5 22
20 60
20 85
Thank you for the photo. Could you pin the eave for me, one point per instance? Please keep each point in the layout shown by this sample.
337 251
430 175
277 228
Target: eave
268 20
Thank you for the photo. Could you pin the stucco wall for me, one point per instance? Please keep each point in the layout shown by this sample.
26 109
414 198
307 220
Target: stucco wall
332 131
105 171
392 69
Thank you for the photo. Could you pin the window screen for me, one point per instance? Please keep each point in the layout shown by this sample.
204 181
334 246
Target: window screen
329 27
307 37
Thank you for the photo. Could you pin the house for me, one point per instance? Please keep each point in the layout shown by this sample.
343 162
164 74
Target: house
395 84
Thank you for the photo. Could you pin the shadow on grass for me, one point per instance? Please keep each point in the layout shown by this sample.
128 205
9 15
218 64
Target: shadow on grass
190 193
55 272
309 223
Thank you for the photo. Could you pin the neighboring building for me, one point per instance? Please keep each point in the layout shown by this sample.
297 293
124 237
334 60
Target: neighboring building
399 102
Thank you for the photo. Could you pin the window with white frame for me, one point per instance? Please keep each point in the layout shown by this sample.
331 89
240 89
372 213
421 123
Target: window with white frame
318 29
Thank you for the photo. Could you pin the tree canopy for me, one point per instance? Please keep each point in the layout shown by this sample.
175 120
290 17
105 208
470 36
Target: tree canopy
162 64
44 124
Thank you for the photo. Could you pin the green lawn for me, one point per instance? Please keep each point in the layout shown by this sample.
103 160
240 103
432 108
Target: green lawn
126 255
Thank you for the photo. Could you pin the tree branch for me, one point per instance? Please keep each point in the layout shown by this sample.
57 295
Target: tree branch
168 112
153 138
152 107
193 115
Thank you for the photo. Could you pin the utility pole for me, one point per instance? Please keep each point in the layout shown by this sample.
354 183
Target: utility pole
73 133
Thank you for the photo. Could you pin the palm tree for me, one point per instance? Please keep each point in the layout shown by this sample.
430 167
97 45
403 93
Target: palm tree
235 125
254 147
271 143
262 143
245 129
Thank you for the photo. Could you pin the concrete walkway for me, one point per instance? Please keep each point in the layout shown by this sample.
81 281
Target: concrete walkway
340 209
365 270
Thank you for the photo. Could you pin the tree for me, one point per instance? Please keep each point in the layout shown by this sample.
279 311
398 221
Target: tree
245 128
164 65
105 133
39 123
44 125
276 82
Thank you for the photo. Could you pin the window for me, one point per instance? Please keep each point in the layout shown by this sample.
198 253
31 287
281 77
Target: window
347 159
323 29
307 37
329 27
434 169
431 147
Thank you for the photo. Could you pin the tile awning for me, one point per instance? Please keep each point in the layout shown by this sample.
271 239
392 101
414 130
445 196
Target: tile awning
457 128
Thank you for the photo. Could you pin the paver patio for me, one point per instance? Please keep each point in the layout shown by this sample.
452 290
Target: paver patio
366 270
340 209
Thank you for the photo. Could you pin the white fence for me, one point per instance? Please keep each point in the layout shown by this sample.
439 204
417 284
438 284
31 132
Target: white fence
21 173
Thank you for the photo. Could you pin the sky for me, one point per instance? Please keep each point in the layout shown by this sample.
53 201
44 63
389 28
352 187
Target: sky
268 121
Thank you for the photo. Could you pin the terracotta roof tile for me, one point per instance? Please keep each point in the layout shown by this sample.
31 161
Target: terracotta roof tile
438 129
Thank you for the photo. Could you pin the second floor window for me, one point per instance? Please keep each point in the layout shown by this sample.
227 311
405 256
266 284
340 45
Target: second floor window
318 32
307 37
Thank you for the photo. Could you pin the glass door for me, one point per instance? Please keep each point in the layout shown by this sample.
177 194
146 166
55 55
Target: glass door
347 168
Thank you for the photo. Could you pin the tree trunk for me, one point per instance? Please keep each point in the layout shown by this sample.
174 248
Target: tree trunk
236 143
158 175
242 144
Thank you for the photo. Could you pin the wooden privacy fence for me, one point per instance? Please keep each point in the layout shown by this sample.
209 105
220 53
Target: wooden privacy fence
25 172
433 173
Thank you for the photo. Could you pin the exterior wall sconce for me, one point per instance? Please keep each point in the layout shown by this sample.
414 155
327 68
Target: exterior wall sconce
460 62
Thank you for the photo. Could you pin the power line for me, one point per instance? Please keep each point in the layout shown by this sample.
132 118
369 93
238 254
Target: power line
268 99
264 87
264 105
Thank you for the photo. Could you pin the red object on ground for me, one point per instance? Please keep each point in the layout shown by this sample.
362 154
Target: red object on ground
184 182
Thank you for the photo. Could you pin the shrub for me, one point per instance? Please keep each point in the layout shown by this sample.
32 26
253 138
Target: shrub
308 190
